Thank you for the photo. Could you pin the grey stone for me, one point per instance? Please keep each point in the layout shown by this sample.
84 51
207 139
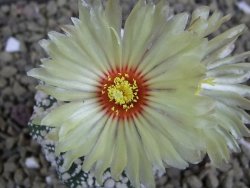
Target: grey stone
9 143
228 182
245 149
9 167
173 173
241 185
194 182
3 82
184 185
2 124
244 161
26 80
51 8
36 37
169 186
162 180
61 3
8 71
30 11
51 24
5 57
6 31
238 173
10 184
26 182
212 181
7 91
19 176
20 114
33 26
3 182
18 89
73 6
5 8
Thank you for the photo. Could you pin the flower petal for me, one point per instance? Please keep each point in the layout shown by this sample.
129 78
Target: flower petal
225 38
65 94
229 60
42 74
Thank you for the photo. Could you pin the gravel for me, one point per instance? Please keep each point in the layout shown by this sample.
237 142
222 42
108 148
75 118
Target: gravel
29 22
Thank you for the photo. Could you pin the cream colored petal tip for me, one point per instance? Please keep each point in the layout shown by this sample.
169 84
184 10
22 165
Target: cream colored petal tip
126 100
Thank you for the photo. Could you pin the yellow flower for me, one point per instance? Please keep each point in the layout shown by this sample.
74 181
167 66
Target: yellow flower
146 99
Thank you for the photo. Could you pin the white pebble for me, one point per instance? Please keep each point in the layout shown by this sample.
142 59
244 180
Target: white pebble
32 163
66 176
242 5
124 180
12 45
121 185
90 181
110 183
48 180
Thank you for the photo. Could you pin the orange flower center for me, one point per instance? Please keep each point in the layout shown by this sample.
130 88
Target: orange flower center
123 93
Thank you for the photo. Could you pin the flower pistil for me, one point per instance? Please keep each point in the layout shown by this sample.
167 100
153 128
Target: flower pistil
123 93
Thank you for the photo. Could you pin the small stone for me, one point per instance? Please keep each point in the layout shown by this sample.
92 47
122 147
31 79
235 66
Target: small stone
241 185
10 184
9 143
228 182
32 26
61 3
35 37
12 45
5 9
31 11
18 176
8 71
90 181
242 5
121 185
39 184
51 8
26 182
48 180
162 180
194 182
1 165
173 173
73 6
245 147
244 161
9 167
3 82
27 80
169 186
2 124
109 183
184 185
212 181
5 57
18 89
12 131
32 163
238 172
6 31
2 182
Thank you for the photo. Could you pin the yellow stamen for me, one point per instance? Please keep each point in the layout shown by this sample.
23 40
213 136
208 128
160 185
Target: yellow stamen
209 81
122 92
